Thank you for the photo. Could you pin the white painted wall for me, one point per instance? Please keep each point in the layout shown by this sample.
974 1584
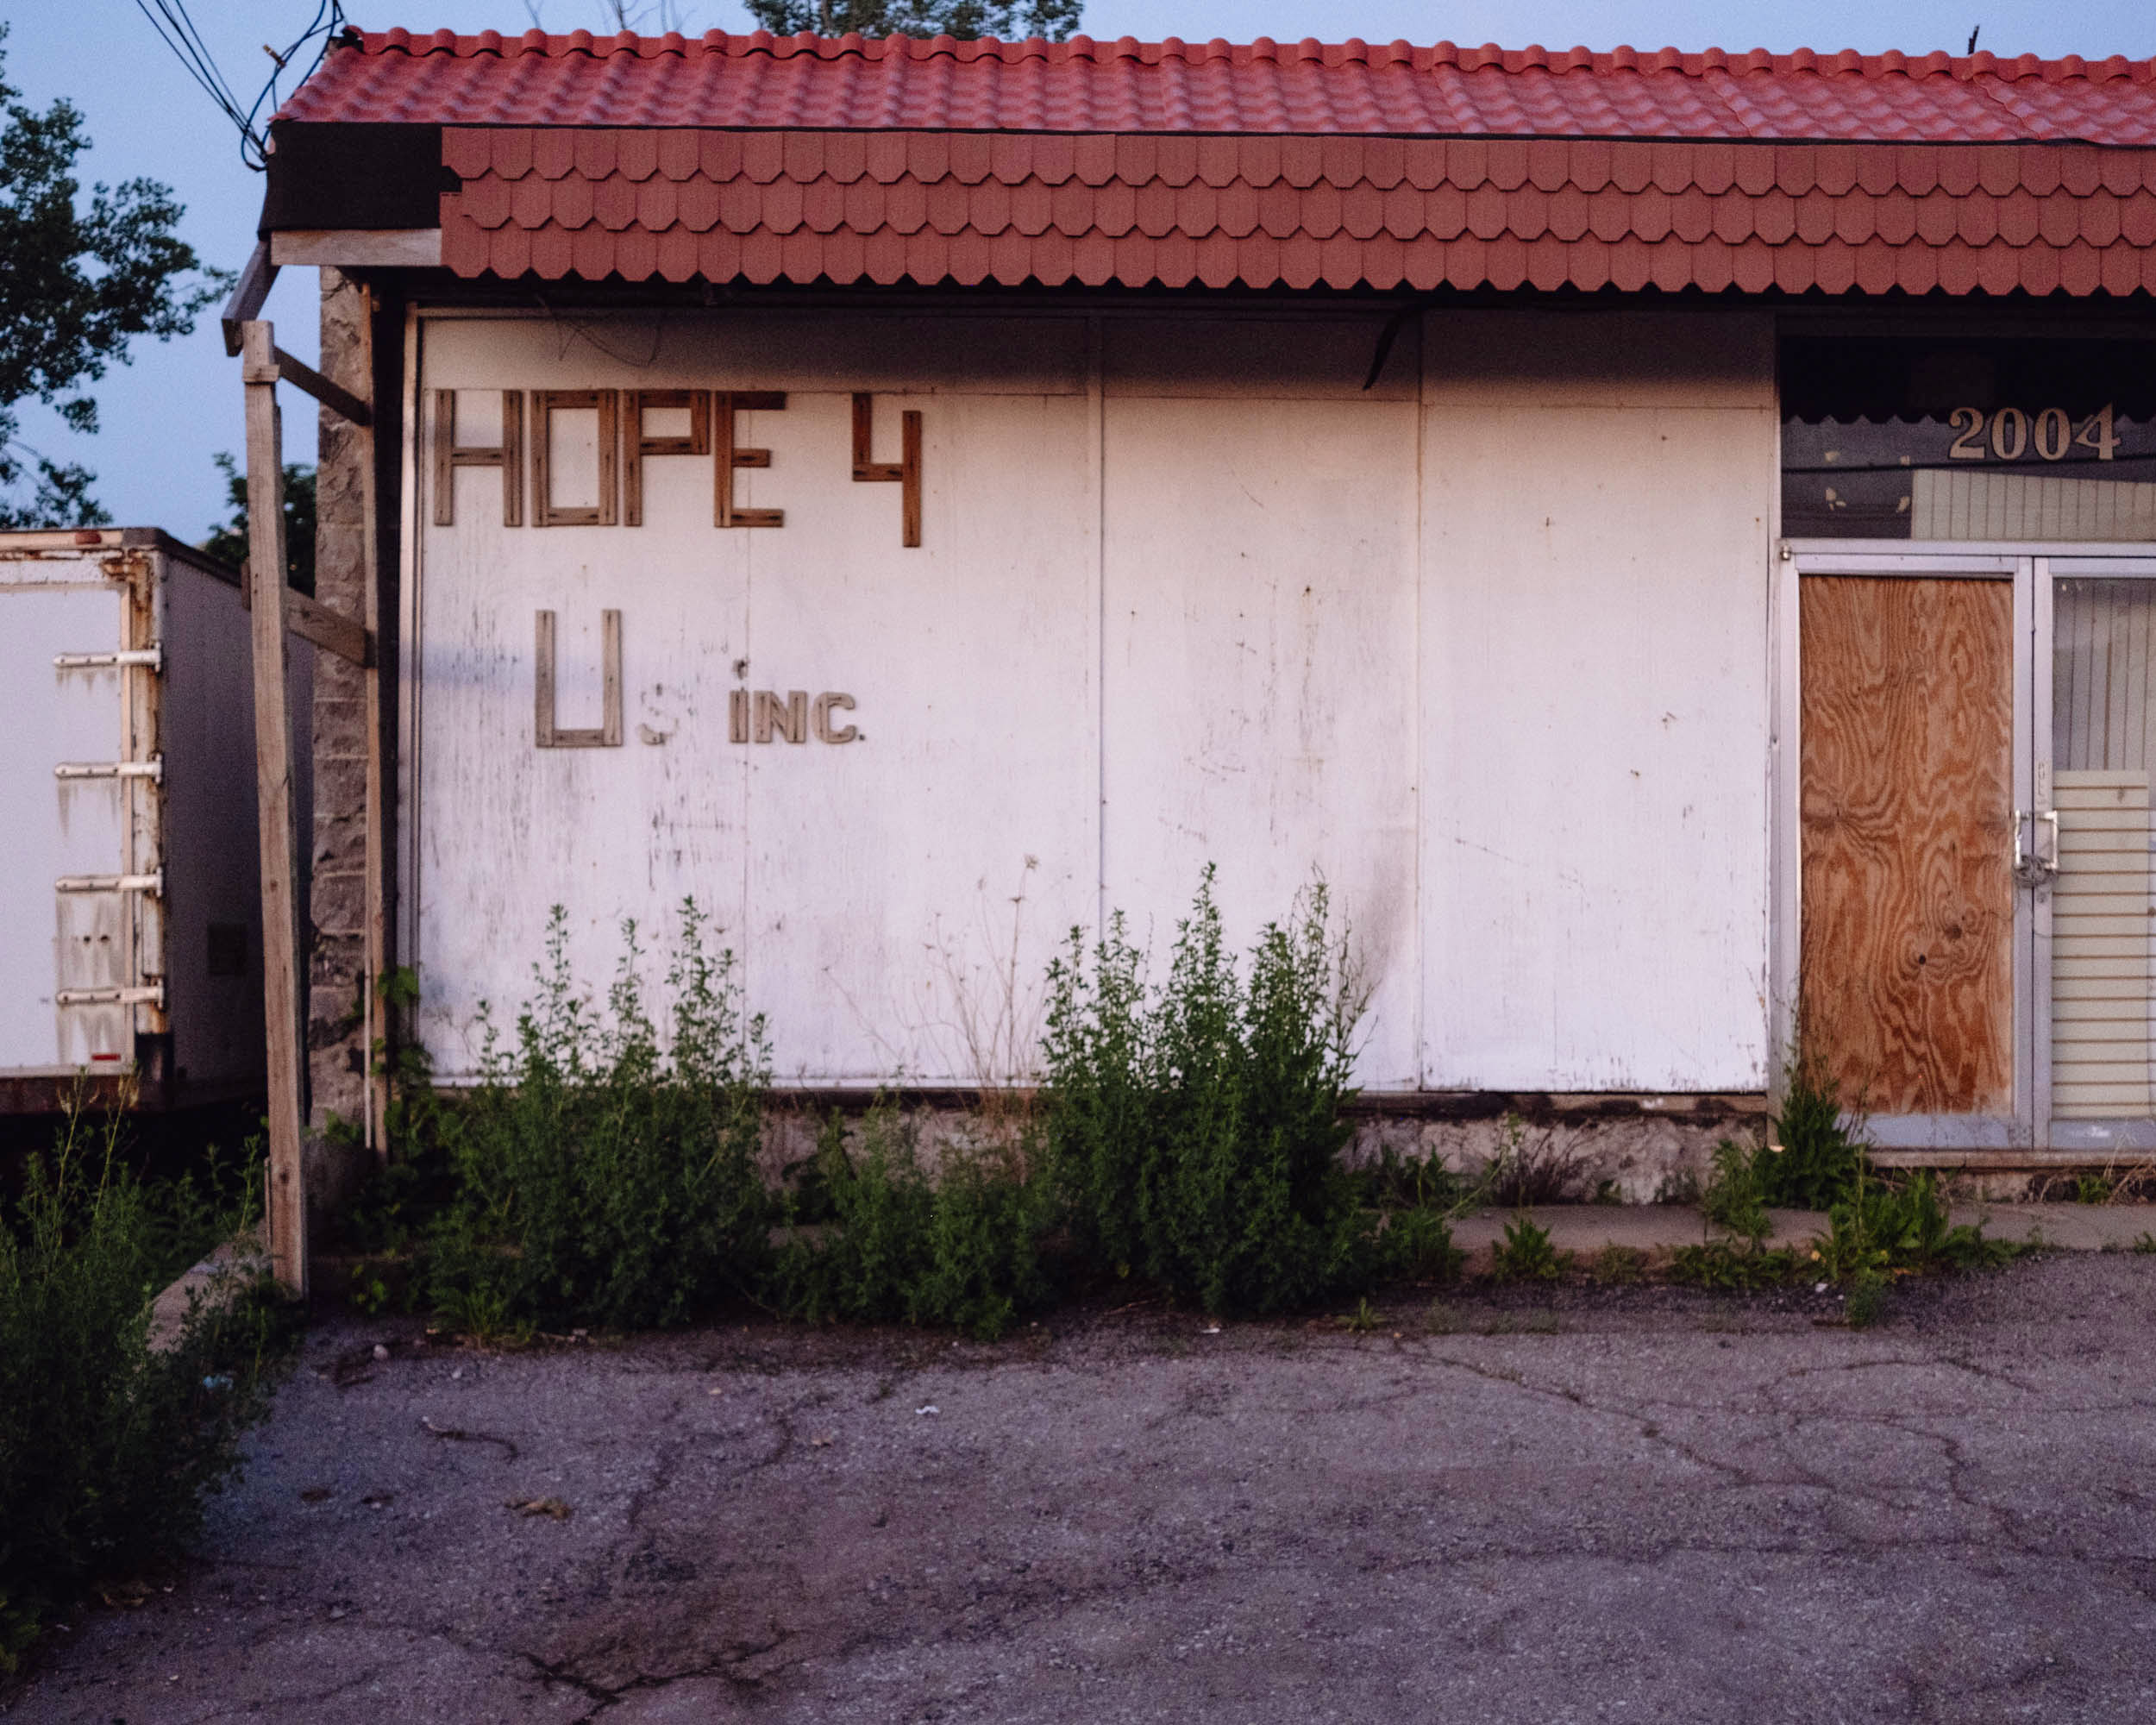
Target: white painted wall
56 827
1596 496
1485 645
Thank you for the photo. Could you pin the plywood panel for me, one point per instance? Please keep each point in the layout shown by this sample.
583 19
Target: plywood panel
1907 989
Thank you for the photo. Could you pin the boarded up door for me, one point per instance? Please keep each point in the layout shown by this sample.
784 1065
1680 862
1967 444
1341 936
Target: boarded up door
1907 995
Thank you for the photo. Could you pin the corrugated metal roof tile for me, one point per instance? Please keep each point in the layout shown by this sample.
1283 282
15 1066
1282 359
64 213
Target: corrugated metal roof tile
1301 211
2058 220
1851 218
510 255
595 151
484 201
740 206
2080 269
1894 216
636 154
1486 212
678 153
763 156
1691 216
635 254
697 205
553 153
531 202
466 153
948 206
801 256
613 202
676 255
823 206
591 254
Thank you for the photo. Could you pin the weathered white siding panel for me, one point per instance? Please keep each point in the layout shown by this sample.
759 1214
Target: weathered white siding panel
882 871
507 829
1597 493
864 883
1259 674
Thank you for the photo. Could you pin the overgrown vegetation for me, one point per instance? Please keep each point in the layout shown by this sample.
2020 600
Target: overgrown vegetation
107 1448
1879 1227
609 1168
874 1236
615 1167
597 1175
1194 1129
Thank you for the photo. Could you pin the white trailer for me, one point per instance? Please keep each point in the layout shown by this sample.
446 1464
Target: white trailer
130 907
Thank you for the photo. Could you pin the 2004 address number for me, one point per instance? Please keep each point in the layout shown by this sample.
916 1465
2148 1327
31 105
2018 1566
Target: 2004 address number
2051 433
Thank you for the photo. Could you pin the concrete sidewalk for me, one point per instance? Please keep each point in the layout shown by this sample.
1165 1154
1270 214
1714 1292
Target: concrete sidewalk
1660 1228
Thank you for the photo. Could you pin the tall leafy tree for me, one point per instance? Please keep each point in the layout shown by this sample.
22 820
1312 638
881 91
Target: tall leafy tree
79 278
964 19
229 540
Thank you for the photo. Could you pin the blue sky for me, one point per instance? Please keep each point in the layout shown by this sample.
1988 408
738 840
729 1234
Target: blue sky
166 414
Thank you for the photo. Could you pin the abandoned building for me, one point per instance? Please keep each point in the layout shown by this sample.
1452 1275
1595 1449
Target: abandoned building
1671 539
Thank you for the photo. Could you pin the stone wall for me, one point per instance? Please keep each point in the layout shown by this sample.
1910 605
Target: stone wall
336 924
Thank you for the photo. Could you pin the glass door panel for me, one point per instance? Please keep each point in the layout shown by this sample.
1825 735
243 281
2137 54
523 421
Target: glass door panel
2097 853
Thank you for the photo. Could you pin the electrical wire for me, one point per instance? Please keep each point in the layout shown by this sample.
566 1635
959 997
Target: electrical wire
170 19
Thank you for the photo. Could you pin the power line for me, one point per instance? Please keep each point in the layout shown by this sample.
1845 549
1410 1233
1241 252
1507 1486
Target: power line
170 19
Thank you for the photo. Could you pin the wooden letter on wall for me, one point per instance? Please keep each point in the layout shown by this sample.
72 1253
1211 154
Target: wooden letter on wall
547 735
826 732
545 403
905 471
725 404
449 456
636 445
786 715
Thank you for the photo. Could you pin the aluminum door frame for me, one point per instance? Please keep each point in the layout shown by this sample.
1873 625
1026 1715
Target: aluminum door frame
2070 1141
1964 1138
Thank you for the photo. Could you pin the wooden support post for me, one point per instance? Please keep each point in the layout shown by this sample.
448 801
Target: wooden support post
286 1193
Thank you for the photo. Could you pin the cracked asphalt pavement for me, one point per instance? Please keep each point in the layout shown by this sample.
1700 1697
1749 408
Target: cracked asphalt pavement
1569 1505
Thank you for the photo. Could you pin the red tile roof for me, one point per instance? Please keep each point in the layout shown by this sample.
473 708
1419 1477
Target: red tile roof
1081 86
764 160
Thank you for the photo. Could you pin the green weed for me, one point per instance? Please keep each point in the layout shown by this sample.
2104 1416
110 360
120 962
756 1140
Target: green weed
107 1449
875 1237
1719 1265
594 1179
1618 1266
1735 1198
1524 1254
1194 1129
1816 1150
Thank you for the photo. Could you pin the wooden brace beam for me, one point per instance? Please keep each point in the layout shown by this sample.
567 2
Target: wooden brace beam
313 621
